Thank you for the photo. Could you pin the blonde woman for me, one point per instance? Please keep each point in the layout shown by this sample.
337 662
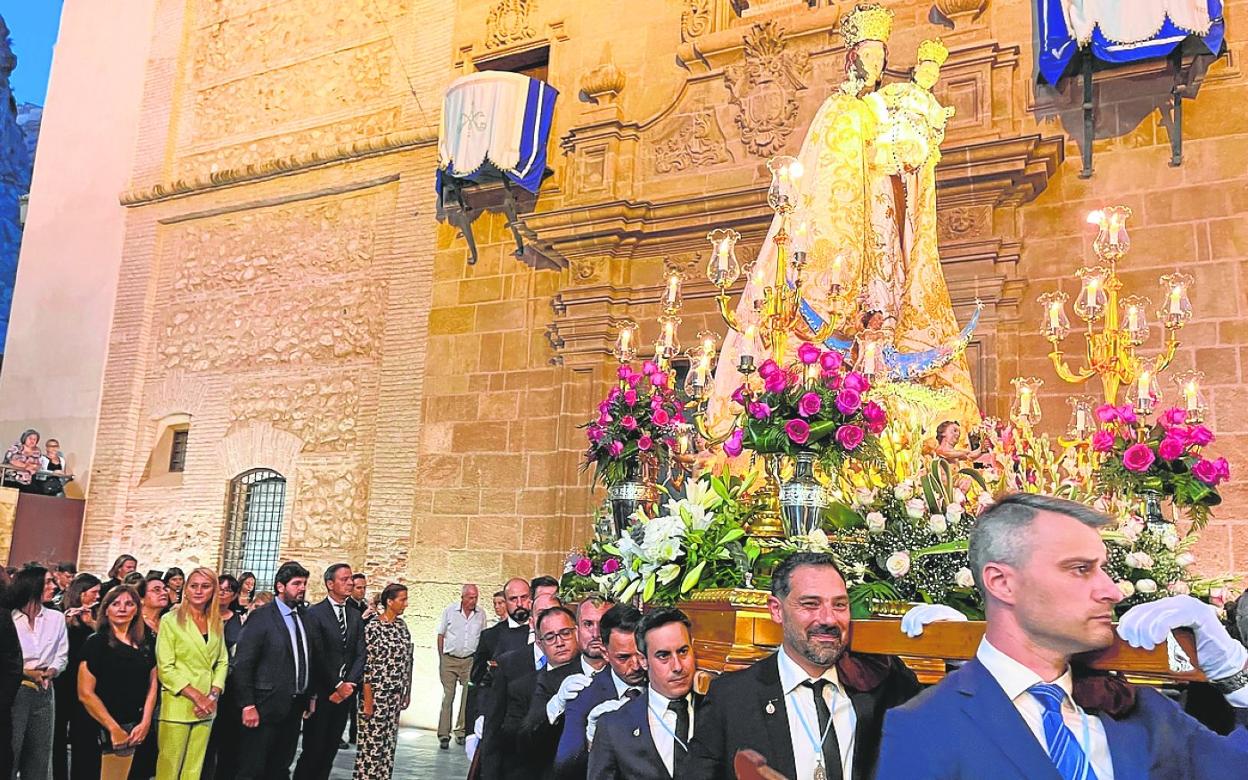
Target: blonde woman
192 661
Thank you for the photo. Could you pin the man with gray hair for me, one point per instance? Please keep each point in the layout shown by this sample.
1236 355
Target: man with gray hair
459 631
1010 712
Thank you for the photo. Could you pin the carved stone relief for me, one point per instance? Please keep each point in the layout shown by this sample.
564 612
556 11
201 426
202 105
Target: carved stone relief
696 141
322 412
331 323
331 508
695 19
764 88
509 23
963 222
300 242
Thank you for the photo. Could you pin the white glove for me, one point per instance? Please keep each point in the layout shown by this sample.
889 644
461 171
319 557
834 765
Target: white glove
913 621
470 746
591 723
1147 625
568 690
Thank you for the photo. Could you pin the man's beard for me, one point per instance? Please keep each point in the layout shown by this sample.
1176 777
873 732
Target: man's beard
822 654
521 615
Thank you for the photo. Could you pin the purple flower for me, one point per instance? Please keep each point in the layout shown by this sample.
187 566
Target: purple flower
758 410
1126 414
1138 457
630 397
768 368
850 436
615 448
1199 436
807 353
831 361
649 367
679 416
583 567
623 371
856 381
732 445
798 431
1172 417
738 395
611 566
832 379
595 434
661 417
1206 471
613 396
1107 413
633 379
629 422
1103 440
604 419
645 443
809 404
848 400
777 382
1171 448
873 412
1224 468
658 379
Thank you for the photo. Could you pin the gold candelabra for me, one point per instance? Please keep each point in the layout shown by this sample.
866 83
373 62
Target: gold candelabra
1117 327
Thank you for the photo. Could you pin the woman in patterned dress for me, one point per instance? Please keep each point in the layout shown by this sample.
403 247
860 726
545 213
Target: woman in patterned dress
387 685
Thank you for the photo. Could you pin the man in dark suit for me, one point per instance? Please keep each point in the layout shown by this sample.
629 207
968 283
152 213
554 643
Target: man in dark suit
556 687
1011 713
504 756
626 673
648 738
274 679
337 633
502 637
810 706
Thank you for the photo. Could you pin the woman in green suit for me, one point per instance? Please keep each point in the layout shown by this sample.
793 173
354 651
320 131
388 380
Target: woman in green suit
192 661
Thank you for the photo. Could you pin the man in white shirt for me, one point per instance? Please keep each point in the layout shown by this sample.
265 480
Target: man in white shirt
459 631
648 738
1012 714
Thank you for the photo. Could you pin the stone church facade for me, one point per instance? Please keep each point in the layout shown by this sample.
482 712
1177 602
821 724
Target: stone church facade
288 301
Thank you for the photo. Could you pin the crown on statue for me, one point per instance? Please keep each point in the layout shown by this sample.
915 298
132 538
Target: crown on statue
933 50
867 22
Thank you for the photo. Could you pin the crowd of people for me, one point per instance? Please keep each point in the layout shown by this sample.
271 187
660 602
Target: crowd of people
188 675
33 470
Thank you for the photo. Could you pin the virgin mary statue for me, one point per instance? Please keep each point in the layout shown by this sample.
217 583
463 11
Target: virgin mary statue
868 207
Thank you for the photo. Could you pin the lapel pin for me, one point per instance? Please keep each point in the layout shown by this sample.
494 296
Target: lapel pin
636 732
771 707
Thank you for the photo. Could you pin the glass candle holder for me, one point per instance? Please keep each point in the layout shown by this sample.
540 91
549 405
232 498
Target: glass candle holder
1191 395
1134 321
1092 299
673 295
625 349
786 173
668 344
1054 324
1025 409
1176 306
1082 423
1111 243
723 269
1143 393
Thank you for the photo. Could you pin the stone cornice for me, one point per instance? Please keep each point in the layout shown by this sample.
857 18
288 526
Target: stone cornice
333 155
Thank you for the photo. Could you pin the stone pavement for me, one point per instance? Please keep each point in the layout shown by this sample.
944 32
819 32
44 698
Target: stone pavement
418 758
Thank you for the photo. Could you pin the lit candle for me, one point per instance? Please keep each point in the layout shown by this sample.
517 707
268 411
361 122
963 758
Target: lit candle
1081 419
1093 283
1024 401
812 374
673 289
1142 387
1189 396
836 270
1133 318
624 340
669 335
751 331
1055 313
722 256
1176 302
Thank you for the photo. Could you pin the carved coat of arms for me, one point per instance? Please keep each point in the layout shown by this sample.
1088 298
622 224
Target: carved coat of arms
764 88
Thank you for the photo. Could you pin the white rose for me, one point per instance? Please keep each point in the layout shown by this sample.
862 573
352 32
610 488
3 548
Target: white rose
864 496
1170 539
903 491
964 578
1146 586
1131 529
984 501
937 525
1139 560
953 512
898 564
818 539
1179 588
875 522
958 496
1185 559
1126 588
916 508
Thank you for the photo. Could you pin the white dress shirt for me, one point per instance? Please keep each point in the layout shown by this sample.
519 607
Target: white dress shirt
663 739
289 617
800 699
586 669
622 687
1015 679
46 645
460 633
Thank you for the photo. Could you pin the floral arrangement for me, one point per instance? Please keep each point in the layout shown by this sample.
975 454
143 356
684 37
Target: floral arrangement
814 405
1148 565
1164 459
637 420
585 569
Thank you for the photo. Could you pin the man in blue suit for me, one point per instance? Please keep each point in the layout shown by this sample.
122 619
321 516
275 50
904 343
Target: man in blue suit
1011 712
626 674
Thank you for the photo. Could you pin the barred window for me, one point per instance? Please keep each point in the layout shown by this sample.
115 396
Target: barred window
177 451
253 529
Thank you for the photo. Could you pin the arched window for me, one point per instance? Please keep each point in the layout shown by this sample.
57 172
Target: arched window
253 528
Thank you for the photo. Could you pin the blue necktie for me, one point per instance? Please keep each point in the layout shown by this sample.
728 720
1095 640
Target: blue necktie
541 662
1063 749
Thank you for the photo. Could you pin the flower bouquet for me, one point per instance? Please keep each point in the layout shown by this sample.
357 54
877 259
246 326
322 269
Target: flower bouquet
638 420
1148 565
1163 460
585 569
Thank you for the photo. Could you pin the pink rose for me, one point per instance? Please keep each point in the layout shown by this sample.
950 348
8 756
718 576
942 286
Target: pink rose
584 567
1170 448
611 566
798 431
1224 468
759 410
732 445
832 379
629 422
1199 436
645 443
848 400
613 396
678 417
1127 414
615 448
649 367
873 412
807 353
809 404
604 419
778 382
595 434
623 371
856 381
849 436
768 368
1103 440
661 417
831 361
1206 471
630 397
1172 417
738 395
658 379
1138 457
1107 413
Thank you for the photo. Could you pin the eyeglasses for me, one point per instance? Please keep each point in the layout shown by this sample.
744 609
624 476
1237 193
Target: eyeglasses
564 634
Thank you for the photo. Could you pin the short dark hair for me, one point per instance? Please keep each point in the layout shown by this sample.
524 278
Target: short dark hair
621 617
67 567
781 578
1000 532
542 581
289 571
944 426
152 576
545 613
498 594
390 593
228 579
332 570
359 575
26 588
657 618
173 571
79 585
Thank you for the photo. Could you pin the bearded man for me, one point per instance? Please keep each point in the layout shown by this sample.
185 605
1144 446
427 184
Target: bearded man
812 709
